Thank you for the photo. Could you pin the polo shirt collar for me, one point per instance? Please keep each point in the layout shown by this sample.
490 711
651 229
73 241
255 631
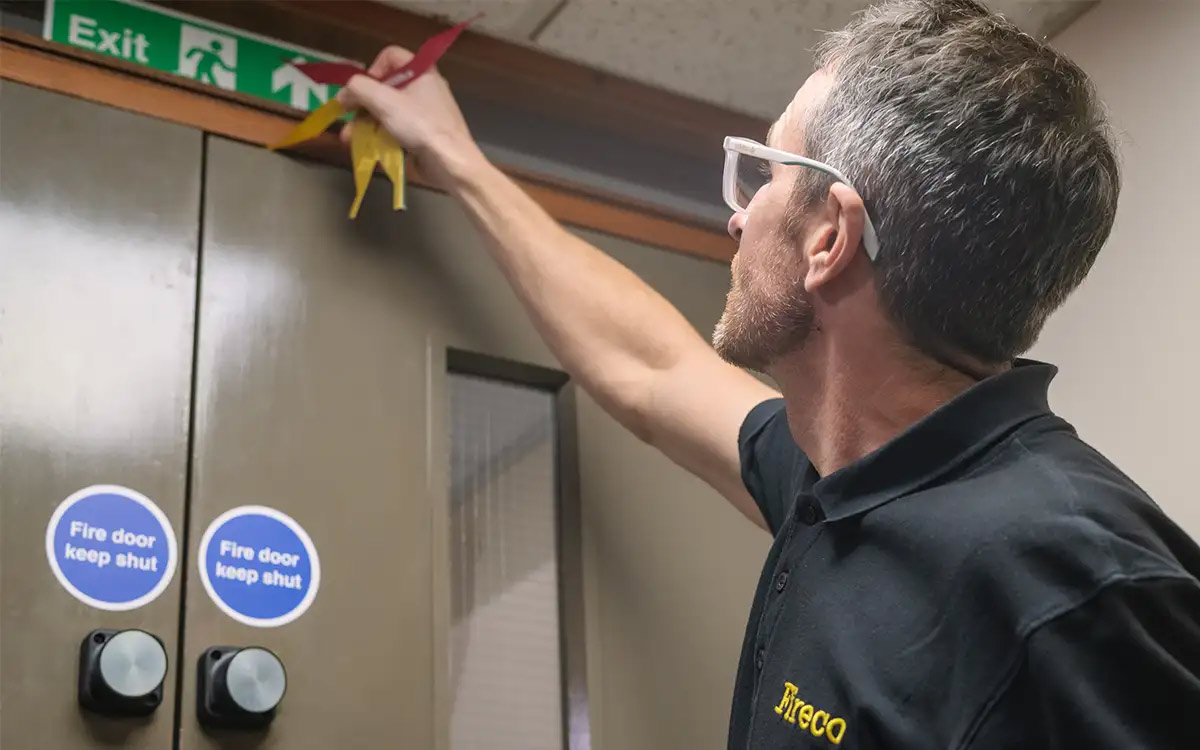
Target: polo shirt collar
946 439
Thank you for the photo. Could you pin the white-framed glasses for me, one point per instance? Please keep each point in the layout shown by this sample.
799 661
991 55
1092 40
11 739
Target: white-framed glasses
748 170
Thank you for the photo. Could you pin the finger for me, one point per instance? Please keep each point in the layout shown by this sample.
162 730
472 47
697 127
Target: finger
366 93
388 60
344 133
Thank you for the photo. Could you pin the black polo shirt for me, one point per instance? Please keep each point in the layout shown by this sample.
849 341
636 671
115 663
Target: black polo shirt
985 580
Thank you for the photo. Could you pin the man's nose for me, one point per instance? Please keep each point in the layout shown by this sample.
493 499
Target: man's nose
737 223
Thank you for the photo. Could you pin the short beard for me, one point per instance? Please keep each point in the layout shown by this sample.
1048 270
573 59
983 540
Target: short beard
757 329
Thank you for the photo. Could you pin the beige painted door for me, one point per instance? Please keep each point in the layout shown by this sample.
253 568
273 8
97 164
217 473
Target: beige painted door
322 391
311 399
99 212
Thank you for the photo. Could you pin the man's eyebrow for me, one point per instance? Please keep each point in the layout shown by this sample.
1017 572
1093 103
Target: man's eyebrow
770 133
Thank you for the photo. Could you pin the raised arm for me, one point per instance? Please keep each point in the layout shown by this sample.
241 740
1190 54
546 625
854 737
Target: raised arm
617 337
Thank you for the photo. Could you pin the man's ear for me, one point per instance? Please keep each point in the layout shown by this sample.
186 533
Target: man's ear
837 241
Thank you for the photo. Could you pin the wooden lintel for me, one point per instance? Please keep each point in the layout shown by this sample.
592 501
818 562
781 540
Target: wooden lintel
67 70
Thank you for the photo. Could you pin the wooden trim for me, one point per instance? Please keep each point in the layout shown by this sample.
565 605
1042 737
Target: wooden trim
38 64
96 78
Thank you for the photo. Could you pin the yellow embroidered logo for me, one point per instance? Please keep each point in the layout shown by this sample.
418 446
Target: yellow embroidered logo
806 716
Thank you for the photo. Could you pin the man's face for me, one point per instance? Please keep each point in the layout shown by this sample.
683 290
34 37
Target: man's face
768 313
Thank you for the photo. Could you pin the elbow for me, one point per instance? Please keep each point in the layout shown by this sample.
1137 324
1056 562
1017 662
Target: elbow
629 399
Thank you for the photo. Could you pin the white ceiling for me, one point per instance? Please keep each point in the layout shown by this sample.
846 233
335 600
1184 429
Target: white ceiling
748 55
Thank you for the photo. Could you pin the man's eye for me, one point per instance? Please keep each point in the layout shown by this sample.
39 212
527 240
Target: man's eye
764 168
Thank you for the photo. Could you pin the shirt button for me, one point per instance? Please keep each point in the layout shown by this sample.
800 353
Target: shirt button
781 581
760 658
808 514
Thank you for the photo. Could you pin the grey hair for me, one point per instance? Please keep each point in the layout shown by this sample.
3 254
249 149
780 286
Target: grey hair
985 160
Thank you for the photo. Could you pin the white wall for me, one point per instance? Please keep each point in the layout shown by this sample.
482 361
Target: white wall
1128 342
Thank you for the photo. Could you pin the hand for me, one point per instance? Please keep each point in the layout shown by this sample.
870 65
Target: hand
423 117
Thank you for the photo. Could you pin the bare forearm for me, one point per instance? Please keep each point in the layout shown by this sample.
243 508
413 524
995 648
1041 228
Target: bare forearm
609 329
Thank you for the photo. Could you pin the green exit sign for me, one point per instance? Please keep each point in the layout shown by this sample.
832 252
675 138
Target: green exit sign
182 45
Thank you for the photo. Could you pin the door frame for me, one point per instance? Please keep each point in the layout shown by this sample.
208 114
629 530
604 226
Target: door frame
28 59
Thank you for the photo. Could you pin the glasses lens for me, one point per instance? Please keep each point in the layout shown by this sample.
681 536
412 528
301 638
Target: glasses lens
752 175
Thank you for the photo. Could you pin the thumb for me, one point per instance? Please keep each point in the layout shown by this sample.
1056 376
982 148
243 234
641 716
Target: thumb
364 92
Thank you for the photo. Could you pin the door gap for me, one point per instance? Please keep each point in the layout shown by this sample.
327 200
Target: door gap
181 667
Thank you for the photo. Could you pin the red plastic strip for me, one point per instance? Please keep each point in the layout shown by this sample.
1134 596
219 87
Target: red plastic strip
427 54
339 73
336 73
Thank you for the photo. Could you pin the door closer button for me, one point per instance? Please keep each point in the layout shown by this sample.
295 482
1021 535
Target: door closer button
239 687
121 672
255 680
133 663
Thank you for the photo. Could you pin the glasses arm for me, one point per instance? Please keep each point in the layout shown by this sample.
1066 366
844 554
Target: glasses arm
735 146
729 182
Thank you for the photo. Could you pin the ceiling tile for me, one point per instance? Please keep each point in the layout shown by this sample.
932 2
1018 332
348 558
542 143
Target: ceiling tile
509 19
750 55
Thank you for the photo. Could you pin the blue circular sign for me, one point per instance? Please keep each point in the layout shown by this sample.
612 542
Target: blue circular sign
111 547
259 566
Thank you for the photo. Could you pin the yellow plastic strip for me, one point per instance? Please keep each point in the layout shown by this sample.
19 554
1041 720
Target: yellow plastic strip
364 155
369 145
313 125
391 156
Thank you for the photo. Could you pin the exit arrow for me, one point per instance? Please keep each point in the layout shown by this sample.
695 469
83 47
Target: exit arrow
289 76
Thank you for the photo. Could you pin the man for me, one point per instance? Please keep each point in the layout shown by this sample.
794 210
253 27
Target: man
952 566
208 60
